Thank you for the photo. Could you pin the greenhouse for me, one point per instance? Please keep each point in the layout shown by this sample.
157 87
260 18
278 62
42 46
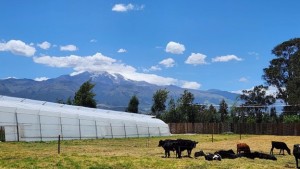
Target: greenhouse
30 120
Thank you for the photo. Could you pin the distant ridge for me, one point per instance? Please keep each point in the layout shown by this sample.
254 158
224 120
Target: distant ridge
112 91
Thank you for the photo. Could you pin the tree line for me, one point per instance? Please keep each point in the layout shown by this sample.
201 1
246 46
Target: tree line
252 106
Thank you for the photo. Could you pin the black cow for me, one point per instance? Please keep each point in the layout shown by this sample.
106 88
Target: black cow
265 156
168 145
258 155
227 154
199 154
182 145
296 153
178 145
280 145
210 157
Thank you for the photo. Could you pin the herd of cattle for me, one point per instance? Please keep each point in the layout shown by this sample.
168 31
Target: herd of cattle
243 150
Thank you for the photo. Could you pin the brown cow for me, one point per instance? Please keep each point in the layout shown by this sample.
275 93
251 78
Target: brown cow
242 147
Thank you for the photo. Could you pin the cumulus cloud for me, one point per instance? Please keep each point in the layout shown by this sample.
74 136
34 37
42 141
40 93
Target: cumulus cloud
39 79
128 7
191 85
169 62
17 47
122 50
196 59
98 63
68 48
226 58
175 48
45 45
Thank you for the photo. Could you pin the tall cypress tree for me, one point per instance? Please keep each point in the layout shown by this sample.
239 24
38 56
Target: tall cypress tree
133 105
85 96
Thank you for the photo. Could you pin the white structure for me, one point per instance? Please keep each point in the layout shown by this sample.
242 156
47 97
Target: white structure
31 120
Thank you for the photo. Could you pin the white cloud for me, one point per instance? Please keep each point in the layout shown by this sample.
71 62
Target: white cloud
196 59
122 50
155 68
93 40
128 7
175 48
68 48
243 79
272 90
226 58
98 63
17 47
169 62
45 45
39 79
191 85
253 53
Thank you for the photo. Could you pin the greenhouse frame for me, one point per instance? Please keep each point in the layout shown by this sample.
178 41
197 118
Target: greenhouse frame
30 120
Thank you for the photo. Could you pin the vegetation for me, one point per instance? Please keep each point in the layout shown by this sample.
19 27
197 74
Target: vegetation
256 102
284 73
85 96
133 105
159 102
136 153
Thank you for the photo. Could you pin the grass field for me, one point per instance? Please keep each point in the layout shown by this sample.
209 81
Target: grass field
136 153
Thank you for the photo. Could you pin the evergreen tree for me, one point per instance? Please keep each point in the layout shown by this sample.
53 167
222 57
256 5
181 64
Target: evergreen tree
212 114
159 100
85 96
186 106
172 115
133 105
256 102
223 110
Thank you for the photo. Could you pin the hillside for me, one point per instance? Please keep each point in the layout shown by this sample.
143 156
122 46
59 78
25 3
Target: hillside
112 91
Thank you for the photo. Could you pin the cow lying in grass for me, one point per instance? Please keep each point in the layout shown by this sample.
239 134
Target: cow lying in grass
280 145
227 154
258 155
178 145
296 153
209 156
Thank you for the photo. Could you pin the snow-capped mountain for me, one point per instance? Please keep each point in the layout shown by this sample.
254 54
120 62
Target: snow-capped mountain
112 91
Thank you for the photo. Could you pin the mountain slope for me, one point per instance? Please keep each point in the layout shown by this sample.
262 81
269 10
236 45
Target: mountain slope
112 91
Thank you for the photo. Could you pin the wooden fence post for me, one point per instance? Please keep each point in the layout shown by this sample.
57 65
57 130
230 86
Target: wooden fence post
58 147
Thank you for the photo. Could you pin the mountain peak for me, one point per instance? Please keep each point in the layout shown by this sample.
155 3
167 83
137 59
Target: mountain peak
112 91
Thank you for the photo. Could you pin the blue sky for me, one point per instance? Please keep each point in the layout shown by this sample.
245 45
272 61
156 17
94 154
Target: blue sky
210 44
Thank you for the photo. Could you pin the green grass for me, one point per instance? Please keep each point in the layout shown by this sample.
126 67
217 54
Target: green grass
136 153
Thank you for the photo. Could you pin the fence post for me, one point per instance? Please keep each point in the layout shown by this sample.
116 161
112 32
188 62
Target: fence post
111 130
61 128
79 129
96 129
40 127
58 147
159 131
137 130
2 133
148 132
125 130
17 123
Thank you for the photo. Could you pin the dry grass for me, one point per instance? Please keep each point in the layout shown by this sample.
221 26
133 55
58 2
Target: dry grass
139 153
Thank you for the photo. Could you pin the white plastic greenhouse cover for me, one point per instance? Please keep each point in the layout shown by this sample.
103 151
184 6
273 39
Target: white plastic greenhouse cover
30 120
